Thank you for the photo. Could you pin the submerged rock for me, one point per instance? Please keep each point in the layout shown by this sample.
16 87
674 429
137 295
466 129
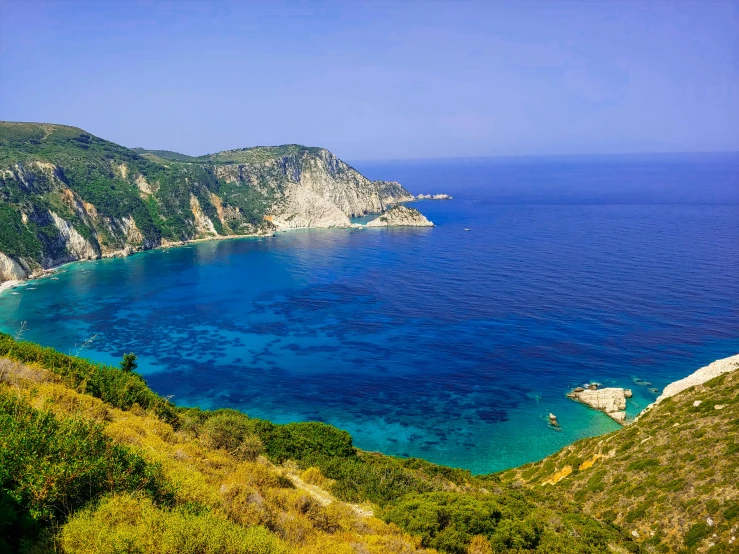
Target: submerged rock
611 400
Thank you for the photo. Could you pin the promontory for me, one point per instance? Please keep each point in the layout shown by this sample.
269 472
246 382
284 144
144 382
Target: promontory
66 195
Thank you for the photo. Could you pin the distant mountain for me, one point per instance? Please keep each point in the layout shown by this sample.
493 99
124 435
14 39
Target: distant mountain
68 195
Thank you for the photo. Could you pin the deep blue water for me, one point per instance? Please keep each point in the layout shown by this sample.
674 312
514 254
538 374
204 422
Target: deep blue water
439 343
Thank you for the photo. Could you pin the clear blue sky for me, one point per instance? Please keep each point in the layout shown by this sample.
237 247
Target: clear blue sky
374 80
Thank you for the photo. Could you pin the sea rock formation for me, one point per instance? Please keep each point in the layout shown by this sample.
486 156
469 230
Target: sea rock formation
433 197
611 400
401 216
66 195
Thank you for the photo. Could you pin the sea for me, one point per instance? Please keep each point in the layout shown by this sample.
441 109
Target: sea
452 343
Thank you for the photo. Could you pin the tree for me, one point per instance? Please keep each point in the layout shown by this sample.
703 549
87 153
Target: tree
128 363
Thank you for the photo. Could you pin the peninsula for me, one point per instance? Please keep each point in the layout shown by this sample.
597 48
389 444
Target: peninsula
66 195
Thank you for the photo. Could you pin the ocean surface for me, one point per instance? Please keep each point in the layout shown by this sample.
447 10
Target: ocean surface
442 343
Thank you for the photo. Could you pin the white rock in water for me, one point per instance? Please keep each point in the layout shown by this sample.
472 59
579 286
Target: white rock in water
610 400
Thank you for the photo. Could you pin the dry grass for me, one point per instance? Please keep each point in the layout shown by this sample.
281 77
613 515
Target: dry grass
298 512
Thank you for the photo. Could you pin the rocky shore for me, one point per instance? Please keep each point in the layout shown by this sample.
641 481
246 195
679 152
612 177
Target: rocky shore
697 378
401 216
610 400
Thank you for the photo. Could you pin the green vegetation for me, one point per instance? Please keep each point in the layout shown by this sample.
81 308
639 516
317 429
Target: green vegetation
113 386
190 480
661 477
49 468
128 363
161 155
259 154
103 190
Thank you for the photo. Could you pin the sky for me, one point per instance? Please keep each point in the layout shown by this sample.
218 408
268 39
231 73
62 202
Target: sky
380 80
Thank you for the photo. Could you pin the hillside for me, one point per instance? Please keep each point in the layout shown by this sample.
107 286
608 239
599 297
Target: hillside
92 461
67 195
669 479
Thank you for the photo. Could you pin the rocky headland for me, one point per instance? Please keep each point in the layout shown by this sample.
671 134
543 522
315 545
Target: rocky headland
401 216
697 378
66 195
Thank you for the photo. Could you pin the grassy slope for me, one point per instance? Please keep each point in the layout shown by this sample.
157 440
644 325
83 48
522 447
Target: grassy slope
259 154
662 477
301 487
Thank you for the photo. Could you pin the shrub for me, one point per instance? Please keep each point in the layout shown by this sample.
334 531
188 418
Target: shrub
306 442
642 464
51 467
110 384
133 524
696 534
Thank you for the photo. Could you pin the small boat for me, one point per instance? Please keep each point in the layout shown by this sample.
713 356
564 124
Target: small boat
466 229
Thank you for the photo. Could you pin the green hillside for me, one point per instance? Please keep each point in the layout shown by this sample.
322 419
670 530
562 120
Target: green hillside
670 479
67 195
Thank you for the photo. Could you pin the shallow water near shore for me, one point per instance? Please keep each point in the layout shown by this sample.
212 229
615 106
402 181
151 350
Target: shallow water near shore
441 343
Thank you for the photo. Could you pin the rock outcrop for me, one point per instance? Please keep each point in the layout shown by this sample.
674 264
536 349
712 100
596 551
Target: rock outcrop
393 192
698 377
610 400
401 216
10 270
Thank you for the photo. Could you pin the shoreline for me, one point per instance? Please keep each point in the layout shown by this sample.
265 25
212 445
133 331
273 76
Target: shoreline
696 378
41 273
5 286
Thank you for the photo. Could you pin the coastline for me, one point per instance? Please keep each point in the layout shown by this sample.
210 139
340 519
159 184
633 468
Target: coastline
38 274
5 286
698 377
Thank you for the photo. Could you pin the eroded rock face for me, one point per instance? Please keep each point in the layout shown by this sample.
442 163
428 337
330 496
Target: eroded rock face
611 400
401 216
10 270
77 247
304 208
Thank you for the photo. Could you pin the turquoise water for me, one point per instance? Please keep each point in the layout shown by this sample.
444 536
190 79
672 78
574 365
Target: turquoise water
441 343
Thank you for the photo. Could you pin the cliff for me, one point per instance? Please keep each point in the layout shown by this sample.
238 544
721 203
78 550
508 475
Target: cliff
67 195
